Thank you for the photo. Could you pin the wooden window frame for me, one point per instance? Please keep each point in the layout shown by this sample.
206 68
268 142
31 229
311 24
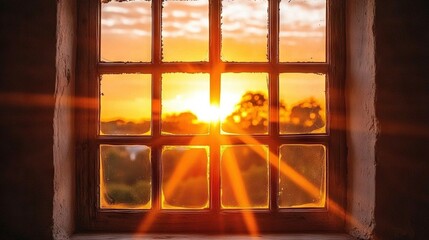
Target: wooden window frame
91 218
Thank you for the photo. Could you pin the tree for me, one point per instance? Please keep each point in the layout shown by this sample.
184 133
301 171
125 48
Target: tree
183 123
304 118
250 115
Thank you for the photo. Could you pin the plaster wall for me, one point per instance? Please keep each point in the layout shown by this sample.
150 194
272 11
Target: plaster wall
361 121
63 149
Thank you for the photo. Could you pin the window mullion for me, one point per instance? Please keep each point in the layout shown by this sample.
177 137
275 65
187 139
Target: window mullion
213 219
215 33
156 101
214 19
156 31
273 18
273 46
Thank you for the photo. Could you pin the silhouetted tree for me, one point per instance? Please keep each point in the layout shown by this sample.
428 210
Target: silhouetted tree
304 118
183 123
250 115
120 126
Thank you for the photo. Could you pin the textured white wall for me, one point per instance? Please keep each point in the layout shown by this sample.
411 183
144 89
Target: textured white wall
63 149
361 119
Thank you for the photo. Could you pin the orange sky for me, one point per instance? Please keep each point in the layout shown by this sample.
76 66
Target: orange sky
126 36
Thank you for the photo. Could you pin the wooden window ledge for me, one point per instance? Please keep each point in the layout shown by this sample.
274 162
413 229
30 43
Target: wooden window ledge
301 236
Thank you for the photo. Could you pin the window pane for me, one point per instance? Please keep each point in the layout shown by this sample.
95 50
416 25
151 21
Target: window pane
302 103
244 103
244 30
185 30
302 31
185 177
185 103
125 178
302 176
126 31
125 104
244 177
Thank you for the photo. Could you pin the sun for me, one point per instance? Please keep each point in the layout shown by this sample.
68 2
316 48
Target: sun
208 114
213 112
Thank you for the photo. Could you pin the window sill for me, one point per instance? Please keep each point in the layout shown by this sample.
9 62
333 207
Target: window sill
295 236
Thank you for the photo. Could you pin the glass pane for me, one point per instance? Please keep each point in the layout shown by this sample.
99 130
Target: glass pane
186 103
302 31
126 31
302 175
302 103
125 178
185 30
244 103
185 177
244 177
125 104
244 30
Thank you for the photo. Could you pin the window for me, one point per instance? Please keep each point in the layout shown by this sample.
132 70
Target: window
210 116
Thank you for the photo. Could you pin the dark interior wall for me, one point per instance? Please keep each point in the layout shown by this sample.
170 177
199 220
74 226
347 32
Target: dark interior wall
402 150
27 84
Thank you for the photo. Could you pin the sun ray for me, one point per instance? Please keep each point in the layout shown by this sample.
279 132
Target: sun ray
240 194
302 182
178 174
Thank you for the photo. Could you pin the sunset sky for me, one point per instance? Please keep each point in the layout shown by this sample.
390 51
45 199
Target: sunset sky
126 36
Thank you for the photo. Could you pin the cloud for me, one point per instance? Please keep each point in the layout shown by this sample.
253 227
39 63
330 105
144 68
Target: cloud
306 16
114 8
241 19
185 19
131 18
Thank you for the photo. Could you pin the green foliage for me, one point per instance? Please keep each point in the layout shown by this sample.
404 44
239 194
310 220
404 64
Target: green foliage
252 166
192 189
127 179
138 193
191 192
